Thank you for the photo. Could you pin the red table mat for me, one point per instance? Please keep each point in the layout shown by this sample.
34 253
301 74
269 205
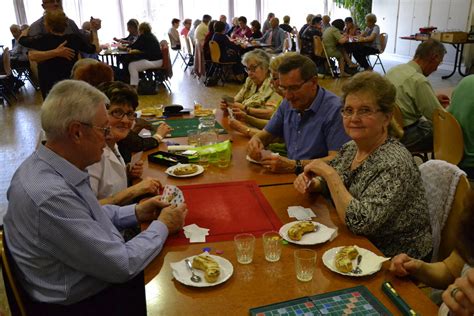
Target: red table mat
227 209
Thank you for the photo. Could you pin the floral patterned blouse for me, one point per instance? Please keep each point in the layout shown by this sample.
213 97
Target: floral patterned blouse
388 205
265 95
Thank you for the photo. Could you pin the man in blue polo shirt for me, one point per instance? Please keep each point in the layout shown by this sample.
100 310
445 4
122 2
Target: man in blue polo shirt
308 119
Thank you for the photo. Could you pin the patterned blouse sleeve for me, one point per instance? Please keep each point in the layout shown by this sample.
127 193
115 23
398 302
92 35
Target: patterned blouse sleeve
383 197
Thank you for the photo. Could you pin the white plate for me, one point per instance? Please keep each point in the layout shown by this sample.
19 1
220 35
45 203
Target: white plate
169 171
322 234
370 263
182 274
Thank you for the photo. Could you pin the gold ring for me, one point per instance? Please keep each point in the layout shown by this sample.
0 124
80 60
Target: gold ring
453 292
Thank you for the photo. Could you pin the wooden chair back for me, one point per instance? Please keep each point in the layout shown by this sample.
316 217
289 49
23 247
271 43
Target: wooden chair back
215 52
6 62
14 293
448 140
448 233
318 46
165 51
383 42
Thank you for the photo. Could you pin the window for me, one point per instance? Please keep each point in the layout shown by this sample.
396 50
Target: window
6 19
298 10
108 12
246 8
158 13
195 9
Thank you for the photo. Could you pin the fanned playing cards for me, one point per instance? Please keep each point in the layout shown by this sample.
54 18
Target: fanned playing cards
172 195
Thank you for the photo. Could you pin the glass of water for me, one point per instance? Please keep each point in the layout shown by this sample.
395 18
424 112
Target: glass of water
305 264
244 247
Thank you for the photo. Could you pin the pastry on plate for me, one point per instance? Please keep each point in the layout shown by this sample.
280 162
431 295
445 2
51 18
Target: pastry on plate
148 112
209 266
297 231
203 112
344 257
185 170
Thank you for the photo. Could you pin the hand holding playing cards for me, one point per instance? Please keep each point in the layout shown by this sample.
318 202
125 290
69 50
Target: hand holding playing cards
148 210
147 186
254 148
301 183
173 217
136 170
239 114
163 130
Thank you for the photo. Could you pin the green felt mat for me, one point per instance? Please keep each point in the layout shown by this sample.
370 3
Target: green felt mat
182 126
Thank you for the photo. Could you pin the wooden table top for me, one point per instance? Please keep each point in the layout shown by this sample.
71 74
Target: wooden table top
261 283
240 168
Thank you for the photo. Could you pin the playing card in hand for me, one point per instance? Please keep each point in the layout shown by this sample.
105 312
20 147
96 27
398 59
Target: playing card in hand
172 194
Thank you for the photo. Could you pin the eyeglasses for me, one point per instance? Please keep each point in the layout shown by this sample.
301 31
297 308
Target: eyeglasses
364 112
293 88
119 114
105 130
251 68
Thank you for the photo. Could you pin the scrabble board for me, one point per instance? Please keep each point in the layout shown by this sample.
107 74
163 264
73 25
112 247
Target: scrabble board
351 301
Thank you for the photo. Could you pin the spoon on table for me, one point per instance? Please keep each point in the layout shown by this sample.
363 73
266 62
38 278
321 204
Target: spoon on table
357 269
195 278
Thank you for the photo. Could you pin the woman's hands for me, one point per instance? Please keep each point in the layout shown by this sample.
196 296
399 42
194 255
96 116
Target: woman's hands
459 297
318 167
135 171
163 130
302 185
402 265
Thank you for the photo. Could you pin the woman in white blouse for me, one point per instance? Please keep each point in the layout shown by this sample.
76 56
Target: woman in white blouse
109 177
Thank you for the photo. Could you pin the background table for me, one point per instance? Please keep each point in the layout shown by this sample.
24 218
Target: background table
459 47
261 283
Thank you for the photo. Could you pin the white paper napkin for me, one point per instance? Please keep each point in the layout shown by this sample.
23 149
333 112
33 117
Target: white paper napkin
300 213
195 233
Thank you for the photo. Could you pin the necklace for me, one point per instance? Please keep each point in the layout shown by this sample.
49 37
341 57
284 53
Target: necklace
359 160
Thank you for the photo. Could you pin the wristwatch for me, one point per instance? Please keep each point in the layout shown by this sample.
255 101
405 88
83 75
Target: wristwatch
298 167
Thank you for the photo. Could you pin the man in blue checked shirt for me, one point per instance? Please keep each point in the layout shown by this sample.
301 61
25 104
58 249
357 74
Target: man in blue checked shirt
67 251
308 120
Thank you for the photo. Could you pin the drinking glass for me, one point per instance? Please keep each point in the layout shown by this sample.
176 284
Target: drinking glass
193 137
158 109
223 158
305 263
244 246
272 246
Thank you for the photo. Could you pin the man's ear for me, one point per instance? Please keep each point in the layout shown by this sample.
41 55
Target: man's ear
75 132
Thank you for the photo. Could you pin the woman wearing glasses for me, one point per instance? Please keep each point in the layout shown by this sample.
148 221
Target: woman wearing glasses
373 181
256 98
109 177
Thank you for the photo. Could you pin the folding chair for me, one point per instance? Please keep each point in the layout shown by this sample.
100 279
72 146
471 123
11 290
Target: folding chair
177 49
217 67
6 82
383 44
15 294
162 74
320 51
188 51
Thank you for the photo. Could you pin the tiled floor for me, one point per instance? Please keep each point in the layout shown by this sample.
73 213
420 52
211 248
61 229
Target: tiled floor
19 124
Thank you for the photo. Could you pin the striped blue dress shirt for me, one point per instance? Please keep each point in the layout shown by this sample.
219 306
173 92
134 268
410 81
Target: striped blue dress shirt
66 245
